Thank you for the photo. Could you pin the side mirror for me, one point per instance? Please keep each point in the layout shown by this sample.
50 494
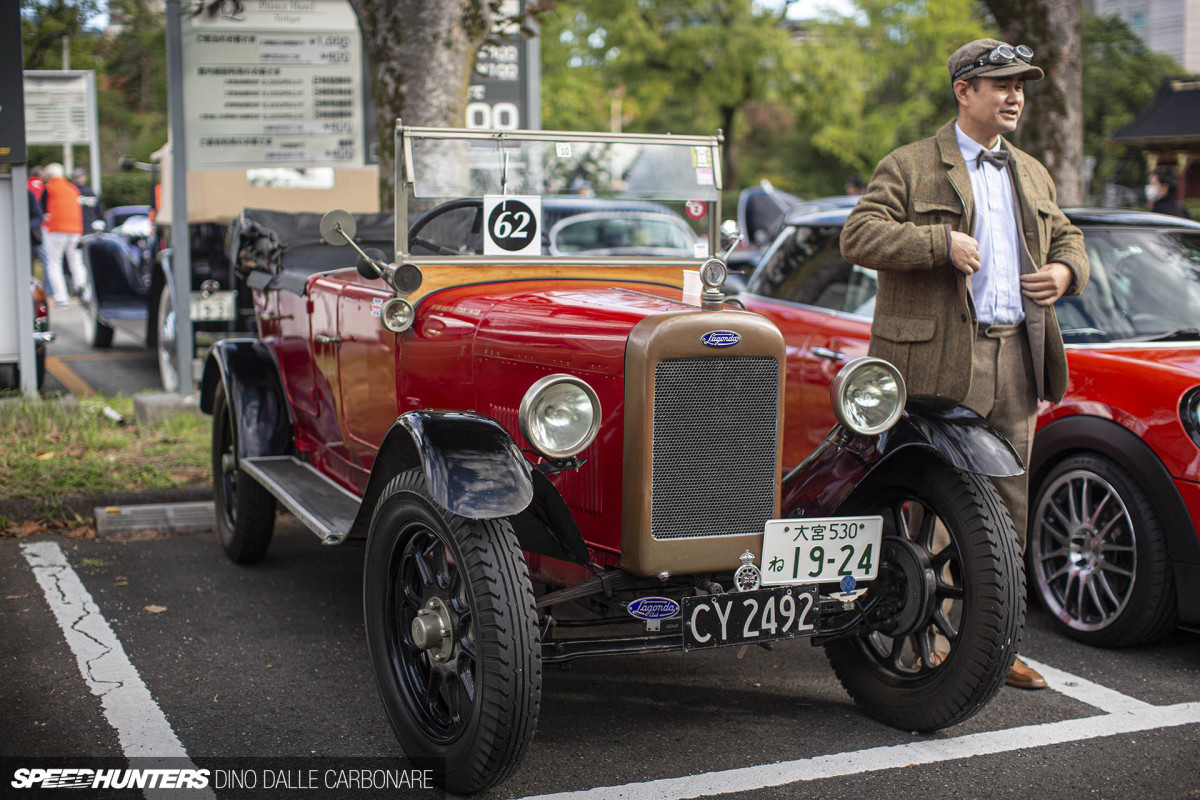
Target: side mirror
125 163
366 263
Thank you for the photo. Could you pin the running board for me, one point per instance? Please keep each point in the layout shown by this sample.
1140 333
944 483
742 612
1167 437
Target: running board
325 507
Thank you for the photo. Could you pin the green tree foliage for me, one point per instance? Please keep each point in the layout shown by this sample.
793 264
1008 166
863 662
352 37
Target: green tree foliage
1120 78
130 64
685 66
873 81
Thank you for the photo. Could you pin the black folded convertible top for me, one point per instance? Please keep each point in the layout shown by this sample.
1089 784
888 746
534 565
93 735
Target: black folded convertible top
289 247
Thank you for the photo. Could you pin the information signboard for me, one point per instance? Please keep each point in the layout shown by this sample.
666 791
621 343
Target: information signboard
59 106
275 83
12 118
504 91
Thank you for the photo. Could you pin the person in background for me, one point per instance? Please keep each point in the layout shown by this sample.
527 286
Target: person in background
93 210
855 185
64 224
1161 191
37 187
971 251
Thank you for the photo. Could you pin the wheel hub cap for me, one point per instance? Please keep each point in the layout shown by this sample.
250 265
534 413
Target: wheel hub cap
433 630
914 585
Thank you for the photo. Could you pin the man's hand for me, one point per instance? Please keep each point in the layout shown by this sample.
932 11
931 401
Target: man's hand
1047 284
964 252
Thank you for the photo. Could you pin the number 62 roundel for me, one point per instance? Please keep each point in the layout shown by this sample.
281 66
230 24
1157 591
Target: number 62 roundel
512 225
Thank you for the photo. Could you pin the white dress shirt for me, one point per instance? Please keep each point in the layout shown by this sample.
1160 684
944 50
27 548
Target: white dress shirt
997 285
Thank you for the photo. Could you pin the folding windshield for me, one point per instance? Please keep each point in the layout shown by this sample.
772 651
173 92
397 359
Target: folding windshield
636 196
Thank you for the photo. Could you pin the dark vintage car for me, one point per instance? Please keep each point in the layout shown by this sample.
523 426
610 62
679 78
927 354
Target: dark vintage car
552 457
133 288
1112 549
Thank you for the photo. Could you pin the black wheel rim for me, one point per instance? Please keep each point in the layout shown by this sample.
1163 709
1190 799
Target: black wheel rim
438 684
924 564
1084 551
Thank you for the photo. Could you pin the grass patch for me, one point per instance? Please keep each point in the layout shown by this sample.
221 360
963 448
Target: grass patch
48 451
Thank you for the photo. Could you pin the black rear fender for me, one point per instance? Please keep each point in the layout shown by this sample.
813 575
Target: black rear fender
251 380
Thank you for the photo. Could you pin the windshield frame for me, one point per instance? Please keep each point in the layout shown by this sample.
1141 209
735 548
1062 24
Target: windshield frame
405 176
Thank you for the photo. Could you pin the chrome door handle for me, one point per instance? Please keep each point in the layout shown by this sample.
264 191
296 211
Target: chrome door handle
825 352
321 338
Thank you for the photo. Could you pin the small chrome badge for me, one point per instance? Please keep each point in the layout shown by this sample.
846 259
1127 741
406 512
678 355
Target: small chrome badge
721 338
748 577
650 608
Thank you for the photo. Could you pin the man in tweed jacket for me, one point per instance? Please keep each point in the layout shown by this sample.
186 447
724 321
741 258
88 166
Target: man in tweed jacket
972 251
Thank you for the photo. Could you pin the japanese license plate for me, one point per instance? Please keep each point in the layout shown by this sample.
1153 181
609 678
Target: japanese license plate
821 550
217 307
764 615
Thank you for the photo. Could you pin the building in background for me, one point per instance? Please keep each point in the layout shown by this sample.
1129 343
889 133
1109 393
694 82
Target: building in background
1171 27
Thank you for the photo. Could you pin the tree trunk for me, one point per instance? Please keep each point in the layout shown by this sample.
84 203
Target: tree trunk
422 55
1052 126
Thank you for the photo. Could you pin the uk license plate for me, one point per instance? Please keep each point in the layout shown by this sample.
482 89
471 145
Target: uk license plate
763 615
821 550
216 307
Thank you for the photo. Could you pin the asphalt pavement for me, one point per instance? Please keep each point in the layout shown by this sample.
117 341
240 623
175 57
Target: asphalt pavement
270 661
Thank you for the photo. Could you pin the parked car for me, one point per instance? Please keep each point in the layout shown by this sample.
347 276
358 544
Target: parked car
552 457
1112 548
10 373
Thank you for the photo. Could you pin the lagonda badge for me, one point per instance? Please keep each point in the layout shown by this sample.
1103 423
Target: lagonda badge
721 338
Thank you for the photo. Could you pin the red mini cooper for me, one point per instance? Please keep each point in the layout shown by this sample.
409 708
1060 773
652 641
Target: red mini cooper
557 451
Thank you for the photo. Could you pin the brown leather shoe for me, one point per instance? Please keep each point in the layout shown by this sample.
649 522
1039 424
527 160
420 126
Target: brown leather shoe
1024 676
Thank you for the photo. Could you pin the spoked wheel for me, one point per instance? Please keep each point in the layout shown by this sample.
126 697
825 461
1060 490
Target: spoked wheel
452 632
168 357
951 594
1098 556
245 511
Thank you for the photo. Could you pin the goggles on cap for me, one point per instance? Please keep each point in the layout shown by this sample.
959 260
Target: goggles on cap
1000 54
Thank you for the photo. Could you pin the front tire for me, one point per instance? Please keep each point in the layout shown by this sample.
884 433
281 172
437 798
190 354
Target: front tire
939 645
1098 555
245 511
452 633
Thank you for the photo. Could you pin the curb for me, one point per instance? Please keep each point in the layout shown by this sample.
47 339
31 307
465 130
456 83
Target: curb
84 505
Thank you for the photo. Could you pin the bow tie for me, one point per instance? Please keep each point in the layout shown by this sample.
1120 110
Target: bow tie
998 158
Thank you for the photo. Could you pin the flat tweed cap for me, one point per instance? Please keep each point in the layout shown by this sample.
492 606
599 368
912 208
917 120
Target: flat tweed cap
979 49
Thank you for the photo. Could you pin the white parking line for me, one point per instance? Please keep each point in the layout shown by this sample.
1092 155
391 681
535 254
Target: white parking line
1085 691
128 706
1143 717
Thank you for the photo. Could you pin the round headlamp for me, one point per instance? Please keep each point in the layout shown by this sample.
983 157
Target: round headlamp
868 395
397 315
559 416
1189 413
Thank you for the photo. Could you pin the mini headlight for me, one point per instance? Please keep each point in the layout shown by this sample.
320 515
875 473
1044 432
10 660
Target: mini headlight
1189 413
559 416
868 395
397 315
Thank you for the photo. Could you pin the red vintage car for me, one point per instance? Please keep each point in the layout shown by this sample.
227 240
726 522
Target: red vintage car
1113 550
553 455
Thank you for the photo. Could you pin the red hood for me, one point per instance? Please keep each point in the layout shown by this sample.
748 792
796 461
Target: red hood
583 324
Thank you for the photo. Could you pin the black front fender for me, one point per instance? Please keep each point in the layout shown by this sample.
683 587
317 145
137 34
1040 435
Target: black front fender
472 467
955 434
251 380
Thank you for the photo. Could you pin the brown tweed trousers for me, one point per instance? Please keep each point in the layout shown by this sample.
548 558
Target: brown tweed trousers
925 321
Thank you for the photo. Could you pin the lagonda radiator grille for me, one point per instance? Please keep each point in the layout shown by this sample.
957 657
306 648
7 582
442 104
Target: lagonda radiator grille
716 424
